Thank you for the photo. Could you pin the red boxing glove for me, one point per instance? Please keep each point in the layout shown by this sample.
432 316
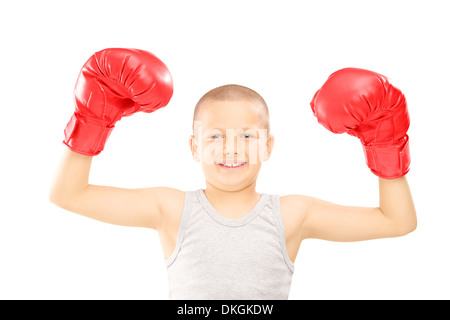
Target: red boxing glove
364 104
112 84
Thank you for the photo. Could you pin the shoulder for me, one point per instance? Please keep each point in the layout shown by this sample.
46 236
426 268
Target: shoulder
169 199
170 202
293 210
294 204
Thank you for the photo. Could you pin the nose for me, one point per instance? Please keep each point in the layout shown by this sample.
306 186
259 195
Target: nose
229 144
232 145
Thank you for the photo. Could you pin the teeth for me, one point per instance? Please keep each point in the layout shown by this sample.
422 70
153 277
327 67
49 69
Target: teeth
232 165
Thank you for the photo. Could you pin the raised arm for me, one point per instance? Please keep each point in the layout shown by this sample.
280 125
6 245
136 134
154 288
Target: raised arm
396 204
363 104
395 216
126 207
112 84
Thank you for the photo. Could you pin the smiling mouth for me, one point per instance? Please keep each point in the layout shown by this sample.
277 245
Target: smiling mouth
232 164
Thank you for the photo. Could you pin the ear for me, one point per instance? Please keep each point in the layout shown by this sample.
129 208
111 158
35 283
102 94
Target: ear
269 147
194 146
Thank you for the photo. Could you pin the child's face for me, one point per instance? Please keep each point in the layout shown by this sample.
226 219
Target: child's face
231 133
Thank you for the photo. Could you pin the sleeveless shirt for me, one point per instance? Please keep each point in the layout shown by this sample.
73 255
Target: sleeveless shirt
229 259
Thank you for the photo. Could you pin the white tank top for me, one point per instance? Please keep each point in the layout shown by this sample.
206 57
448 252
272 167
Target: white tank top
220 258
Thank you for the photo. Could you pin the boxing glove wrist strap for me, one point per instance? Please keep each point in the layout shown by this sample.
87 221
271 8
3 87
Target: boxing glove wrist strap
86 136
389 161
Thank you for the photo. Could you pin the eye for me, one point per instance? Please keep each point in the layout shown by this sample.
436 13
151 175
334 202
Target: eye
248 136
216 136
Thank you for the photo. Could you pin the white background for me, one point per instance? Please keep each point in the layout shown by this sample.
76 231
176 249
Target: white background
285 50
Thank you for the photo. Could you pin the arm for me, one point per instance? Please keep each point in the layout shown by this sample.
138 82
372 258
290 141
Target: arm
128 207
395 216
397 204
112 84
365 105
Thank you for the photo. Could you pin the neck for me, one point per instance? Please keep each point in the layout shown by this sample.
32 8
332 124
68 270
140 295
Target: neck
231 197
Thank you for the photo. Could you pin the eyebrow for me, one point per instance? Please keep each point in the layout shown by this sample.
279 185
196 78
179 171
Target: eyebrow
208 132
224 129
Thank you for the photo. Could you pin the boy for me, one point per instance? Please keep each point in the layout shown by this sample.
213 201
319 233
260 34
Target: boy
228 241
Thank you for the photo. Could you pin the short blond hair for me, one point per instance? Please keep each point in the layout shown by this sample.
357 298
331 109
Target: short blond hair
233 92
